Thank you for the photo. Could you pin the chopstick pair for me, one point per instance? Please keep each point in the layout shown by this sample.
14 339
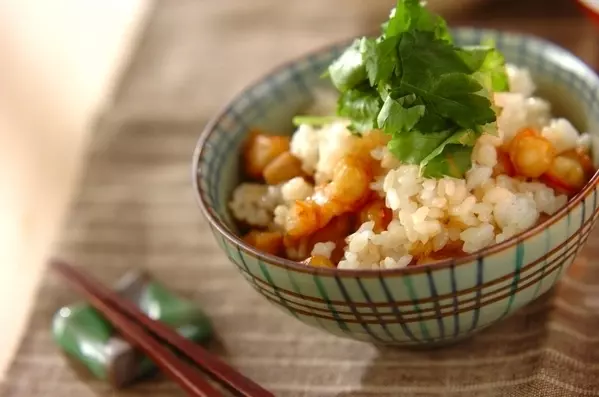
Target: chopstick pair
148 335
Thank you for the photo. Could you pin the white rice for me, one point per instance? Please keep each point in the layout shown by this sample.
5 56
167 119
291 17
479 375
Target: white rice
520 80
296 189
323 249
258 205
479 210
304 146
254 203
519 111
562 134
320 149
584 141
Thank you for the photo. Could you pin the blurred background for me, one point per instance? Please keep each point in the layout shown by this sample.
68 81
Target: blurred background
66 64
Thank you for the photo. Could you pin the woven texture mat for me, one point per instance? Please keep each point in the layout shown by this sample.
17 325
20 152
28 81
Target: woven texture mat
136 208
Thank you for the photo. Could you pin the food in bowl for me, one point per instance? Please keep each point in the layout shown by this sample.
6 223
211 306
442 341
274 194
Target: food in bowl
435 152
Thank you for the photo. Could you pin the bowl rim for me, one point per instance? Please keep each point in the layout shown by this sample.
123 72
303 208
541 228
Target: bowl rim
291 265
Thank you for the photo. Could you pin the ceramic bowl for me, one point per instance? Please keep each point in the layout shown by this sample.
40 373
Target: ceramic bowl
423 305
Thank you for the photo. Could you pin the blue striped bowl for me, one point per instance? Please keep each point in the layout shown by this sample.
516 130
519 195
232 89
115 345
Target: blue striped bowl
426 305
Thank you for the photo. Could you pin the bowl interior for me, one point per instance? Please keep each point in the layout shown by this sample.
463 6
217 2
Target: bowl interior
564 80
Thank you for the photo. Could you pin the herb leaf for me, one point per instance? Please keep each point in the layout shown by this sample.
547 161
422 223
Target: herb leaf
425 58
361 106
381 59
413 147
411 15
454 162
493 72
394 118
488 66
412 82
348 70
465 138
437 73
454 96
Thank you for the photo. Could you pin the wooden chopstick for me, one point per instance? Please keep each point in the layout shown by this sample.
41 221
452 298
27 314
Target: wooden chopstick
128 319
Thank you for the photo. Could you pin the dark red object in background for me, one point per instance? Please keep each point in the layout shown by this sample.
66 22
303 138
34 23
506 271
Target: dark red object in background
591 8
567 23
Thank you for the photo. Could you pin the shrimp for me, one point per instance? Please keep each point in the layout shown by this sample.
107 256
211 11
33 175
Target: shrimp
504 164
566 175
531 154
336 230
282 168
270 242
319 261
569 172
347 191
259 150
422 250
378 212
364 146
426 255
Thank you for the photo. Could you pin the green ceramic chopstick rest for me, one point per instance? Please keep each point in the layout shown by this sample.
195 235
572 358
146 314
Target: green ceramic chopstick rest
87 337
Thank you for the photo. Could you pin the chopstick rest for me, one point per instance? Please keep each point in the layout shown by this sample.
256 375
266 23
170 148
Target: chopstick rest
84 335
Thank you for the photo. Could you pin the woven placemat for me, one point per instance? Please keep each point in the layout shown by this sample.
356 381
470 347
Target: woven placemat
136 208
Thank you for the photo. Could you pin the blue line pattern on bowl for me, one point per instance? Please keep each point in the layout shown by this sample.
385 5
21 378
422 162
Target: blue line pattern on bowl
421 306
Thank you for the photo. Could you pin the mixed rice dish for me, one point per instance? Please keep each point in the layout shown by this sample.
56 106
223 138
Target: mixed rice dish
402 175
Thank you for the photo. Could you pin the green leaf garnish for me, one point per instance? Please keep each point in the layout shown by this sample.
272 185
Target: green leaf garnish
348 70
454 96
493 70
413 147
488 66
456 160
361 105
444 154
395 118
432 97
410 15
381 59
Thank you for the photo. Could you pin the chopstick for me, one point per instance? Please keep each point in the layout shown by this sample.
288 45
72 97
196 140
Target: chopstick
141 331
